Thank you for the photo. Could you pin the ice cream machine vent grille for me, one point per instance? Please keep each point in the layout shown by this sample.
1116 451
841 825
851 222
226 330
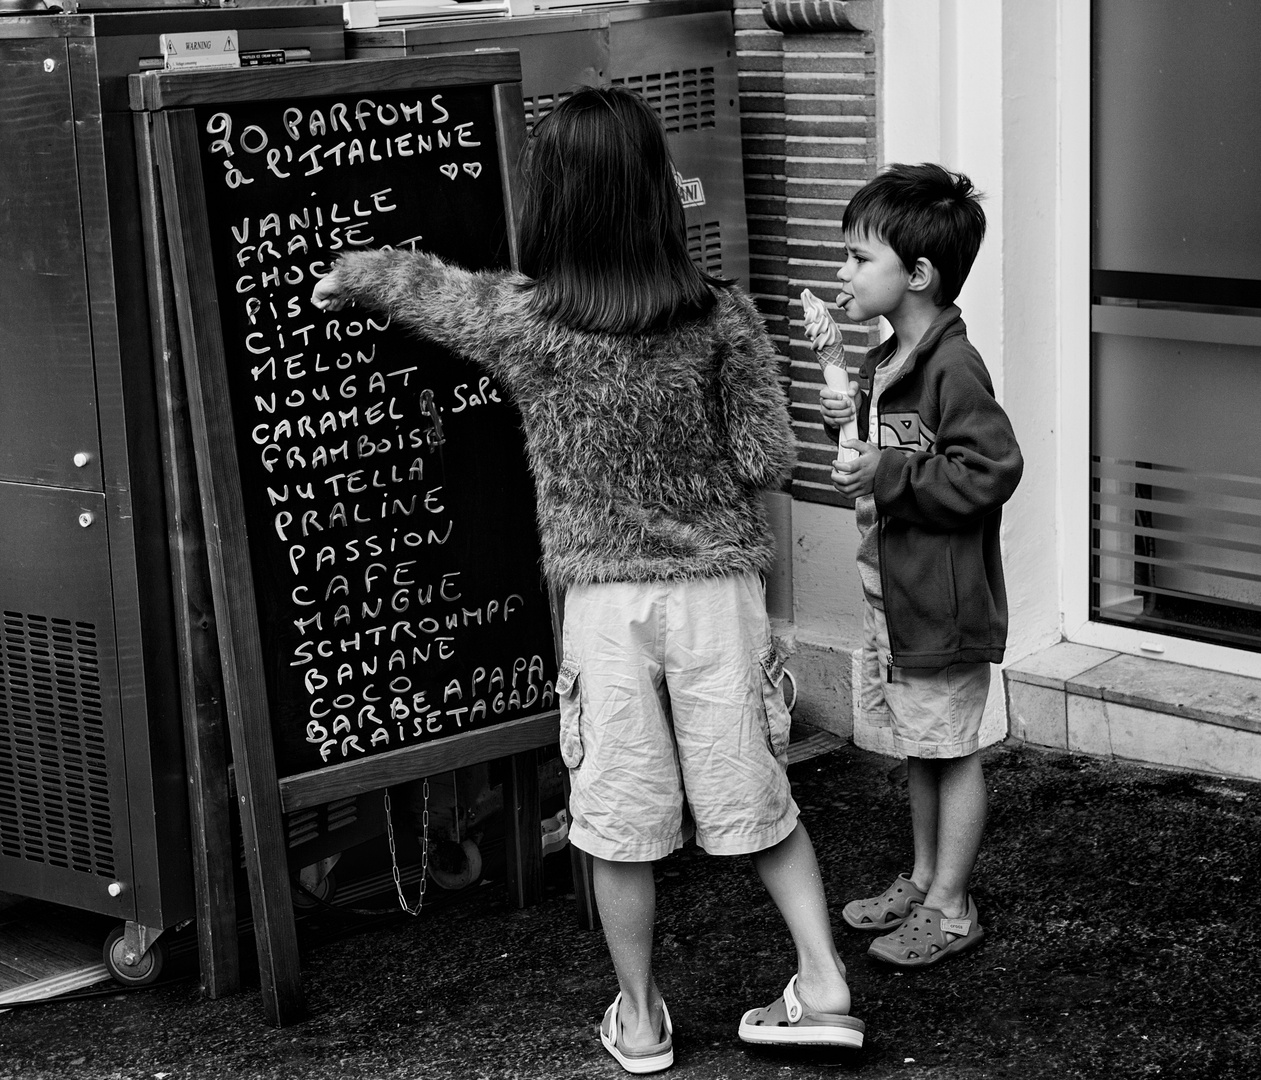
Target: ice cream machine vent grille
54 783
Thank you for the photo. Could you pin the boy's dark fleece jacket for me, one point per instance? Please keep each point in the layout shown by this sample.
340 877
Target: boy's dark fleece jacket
649 451
938 498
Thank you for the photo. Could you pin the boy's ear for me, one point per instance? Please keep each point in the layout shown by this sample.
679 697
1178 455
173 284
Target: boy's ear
923 276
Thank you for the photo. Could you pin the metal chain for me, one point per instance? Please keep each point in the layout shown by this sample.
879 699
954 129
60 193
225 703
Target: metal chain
424 852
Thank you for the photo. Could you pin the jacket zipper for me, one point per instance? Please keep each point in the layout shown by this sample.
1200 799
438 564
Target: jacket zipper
884 587
884 582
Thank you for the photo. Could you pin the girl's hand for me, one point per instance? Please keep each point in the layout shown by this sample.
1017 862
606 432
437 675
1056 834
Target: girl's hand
858 477
327 295
836 407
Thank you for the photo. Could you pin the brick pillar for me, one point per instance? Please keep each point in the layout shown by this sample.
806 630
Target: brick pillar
828 72
759 51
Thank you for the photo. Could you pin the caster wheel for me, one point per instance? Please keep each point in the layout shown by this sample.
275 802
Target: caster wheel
315 895
315 884
454 866
145 971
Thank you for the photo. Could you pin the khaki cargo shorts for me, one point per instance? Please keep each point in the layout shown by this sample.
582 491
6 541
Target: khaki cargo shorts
671 706
934 712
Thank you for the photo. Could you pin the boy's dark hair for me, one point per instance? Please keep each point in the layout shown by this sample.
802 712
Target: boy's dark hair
923 211
602 230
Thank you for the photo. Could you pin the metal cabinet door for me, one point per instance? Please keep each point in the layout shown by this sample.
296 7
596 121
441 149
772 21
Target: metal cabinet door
685 66
64 833
47 391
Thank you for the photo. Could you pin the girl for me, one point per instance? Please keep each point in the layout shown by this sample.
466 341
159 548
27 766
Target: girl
653 419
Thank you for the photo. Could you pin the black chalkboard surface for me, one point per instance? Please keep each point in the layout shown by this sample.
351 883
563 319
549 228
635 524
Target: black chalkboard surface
391 517
366 513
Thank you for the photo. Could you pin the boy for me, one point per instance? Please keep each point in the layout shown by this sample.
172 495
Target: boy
936 460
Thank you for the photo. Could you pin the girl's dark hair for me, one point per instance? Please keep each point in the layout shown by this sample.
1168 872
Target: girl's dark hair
922 211
602 232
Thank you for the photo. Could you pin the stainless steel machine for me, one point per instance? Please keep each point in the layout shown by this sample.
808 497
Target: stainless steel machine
93 786
680 54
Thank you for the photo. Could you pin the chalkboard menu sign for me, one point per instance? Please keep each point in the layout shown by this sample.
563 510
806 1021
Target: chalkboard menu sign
366 515
391 517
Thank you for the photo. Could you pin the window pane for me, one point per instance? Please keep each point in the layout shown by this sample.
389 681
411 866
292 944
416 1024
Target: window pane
1176 485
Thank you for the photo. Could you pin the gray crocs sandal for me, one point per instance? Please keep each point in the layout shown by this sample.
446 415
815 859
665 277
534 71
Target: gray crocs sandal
886 911
928 937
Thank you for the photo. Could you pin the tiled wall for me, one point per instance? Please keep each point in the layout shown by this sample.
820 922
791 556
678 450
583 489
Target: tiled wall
808 116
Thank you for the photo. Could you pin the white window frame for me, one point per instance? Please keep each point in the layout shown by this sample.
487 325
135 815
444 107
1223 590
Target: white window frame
1073 298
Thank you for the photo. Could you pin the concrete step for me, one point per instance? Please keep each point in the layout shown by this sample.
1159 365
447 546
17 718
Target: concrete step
1108 704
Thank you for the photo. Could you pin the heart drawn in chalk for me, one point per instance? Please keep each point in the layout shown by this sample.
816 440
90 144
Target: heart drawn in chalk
473 168
449 171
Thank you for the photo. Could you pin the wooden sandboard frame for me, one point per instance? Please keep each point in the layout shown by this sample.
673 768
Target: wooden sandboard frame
263 797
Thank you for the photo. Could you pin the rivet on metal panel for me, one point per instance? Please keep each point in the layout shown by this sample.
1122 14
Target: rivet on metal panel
81 459
115 888
86 518
50 64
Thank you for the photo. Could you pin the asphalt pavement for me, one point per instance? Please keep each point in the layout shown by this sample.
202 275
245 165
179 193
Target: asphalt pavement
1123 931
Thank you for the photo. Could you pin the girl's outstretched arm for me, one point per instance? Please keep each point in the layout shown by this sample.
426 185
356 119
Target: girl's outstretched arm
474 314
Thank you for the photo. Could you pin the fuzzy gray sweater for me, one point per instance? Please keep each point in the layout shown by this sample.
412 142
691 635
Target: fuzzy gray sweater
649 451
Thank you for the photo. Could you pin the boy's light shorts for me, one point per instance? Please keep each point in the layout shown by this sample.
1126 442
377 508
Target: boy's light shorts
934 712
670 692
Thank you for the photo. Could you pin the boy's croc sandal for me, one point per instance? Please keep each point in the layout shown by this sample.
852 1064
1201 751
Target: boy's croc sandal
886 911
928 937
787 1023
642 1059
